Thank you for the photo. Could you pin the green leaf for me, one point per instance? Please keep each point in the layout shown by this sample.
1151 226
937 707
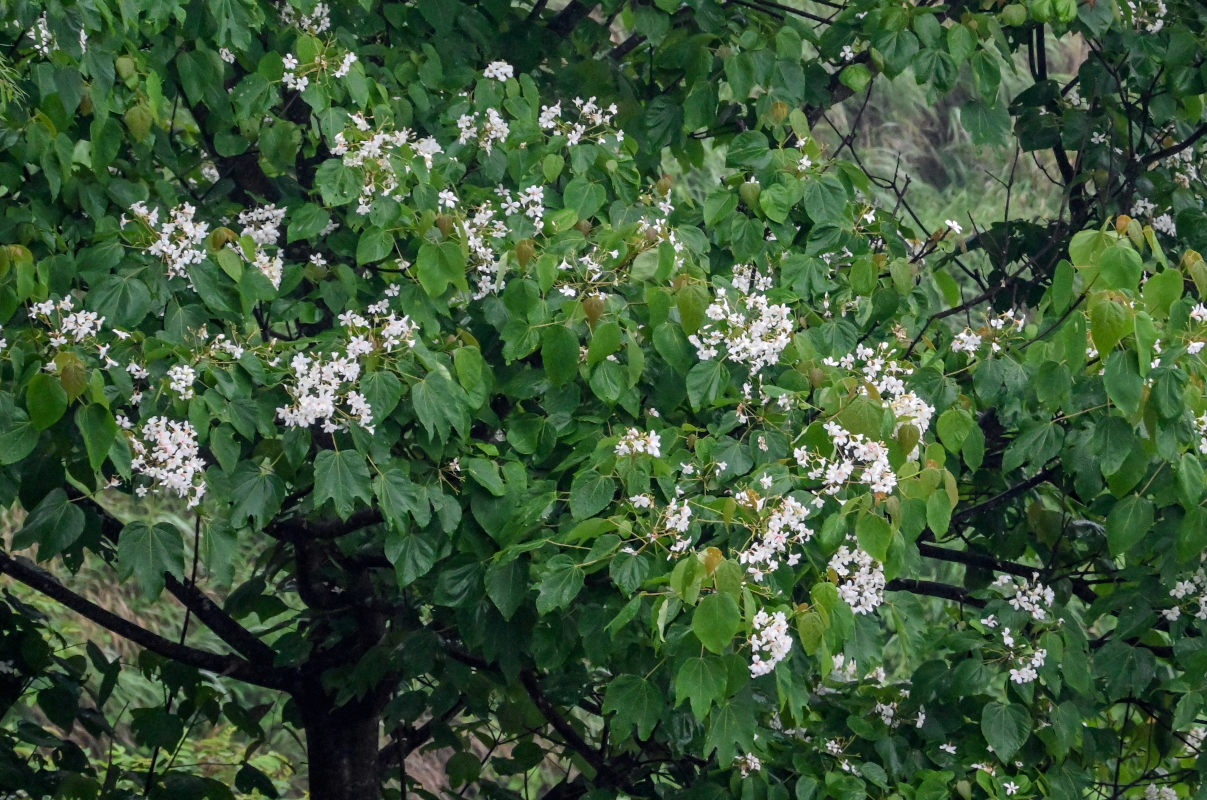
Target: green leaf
1086 246
953 427
874 534
382 390
1161 291
701 680
147 552
99 429
1034 445
1129 520
412 554
1110 321
53 525
590 493
584 196
559 354
399 497
343 478
486 474
636 702
716 621
1114 441
306 222
605 340
257 493
1120 267
440 266
731 727
628 570
507 585
1005 727
46 400
1123 383
705 381
561 581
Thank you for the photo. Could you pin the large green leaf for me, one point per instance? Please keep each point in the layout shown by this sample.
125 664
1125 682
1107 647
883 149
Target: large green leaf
148 552
53 525
716 621
343 478
1006 727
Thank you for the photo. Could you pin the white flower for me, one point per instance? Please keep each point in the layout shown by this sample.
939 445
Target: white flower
634 442
863 583
180 380
499 71
770 643
1011 787
955 226
166 452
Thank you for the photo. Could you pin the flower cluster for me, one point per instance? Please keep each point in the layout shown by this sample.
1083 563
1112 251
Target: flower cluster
387 331
753 332
166 452
634 442
180 380
319 387
852 452
316 22
1031 596
785 526
594 121
483 129
65 323
263 225
375 152
887 377
180 241
769 643
861 579
43 39
297 75
970 341
748 763
1192 590
498 71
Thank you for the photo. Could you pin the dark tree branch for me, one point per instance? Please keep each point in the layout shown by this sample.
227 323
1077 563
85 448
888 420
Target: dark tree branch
223 625
231 665
1189 141
934 589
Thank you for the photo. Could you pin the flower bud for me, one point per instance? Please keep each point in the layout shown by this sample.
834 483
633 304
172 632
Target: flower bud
125 67
1014 15
138 121
445 223
524 250
221 237
749 191
593 307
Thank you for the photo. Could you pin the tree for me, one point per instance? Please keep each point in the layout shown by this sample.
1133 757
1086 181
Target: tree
764 489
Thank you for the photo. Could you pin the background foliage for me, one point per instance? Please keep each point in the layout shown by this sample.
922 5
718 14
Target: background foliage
579 389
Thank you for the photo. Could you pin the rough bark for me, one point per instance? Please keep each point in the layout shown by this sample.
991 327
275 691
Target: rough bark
342 746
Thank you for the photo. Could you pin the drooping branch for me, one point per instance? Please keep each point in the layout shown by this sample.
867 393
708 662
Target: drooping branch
223 625
234 666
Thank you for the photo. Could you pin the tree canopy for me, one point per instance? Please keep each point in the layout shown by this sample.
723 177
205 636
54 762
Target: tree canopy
538 381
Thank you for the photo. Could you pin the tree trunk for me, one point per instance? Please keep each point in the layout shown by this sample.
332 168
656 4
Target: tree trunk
341 745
